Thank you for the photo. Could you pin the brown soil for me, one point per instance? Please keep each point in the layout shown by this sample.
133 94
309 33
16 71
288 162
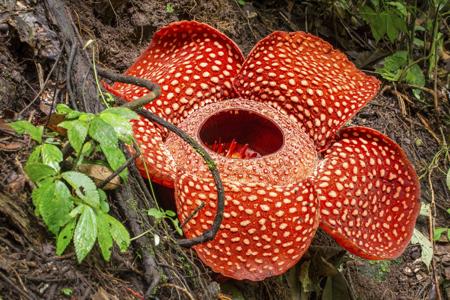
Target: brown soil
27 252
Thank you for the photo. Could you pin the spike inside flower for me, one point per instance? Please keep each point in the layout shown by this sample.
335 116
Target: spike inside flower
241 134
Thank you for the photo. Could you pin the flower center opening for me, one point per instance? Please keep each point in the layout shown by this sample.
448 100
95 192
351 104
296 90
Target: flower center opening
241 134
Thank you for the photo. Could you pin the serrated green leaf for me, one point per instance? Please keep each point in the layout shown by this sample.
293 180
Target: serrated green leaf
88 148
105 240
121 126
84 187
38 171
104 205
55 209
35 156
119 233
76 132
25 127
102 132
115 158
63 109
65 236
425 245
85 233
415 76
123 112
393 66
43 192
51 156
76 211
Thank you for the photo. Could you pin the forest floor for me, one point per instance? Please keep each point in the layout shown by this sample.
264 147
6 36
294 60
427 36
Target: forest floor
29 267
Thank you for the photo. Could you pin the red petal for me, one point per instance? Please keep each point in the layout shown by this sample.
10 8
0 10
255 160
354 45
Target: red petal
263 233
156 161
270 219
302 75
194 64
369 194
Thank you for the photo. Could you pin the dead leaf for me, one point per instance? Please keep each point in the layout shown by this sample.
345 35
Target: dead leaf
100 173
10 146
101 294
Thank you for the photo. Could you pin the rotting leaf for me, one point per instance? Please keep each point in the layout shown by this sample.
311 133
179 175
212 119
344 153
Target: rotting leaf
99 173
425 245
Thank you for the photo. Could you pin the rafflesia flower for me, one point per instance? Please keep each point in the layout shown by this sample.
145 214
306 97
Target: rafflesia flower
273 124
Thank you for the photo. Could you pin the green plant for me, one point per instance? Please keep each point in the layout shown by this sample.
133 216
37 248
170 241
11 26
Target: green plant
67 200
396 68
67 292
169 8
159 214
385 18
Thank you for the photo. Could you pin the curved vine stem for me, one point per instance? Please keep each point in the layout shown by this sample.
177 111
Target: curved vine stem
136 105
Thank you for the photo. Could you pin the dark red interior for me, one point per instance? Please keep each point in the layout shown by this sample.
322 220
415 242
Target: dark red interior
246 127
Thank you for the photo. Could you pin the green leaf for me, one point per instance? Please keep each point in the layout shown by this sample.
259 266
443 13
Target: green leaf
25 127
38 171
119 233
63 109
425 245
55 209
104 205
438 232
65 236
51 156
415 76
102 132
85 233
336 288
393 66
35 156
76 132
105 239
121 126
43 192
391 27
67 292
115 158
156 213
84 187
170 213
123 112
400 7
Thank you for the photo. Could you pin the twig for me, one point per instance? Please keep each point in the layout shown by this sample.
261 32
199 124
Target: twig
154 89
212 231
431 217
45 82
428 128
186 292
24 294
73 52
196 210
119 170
